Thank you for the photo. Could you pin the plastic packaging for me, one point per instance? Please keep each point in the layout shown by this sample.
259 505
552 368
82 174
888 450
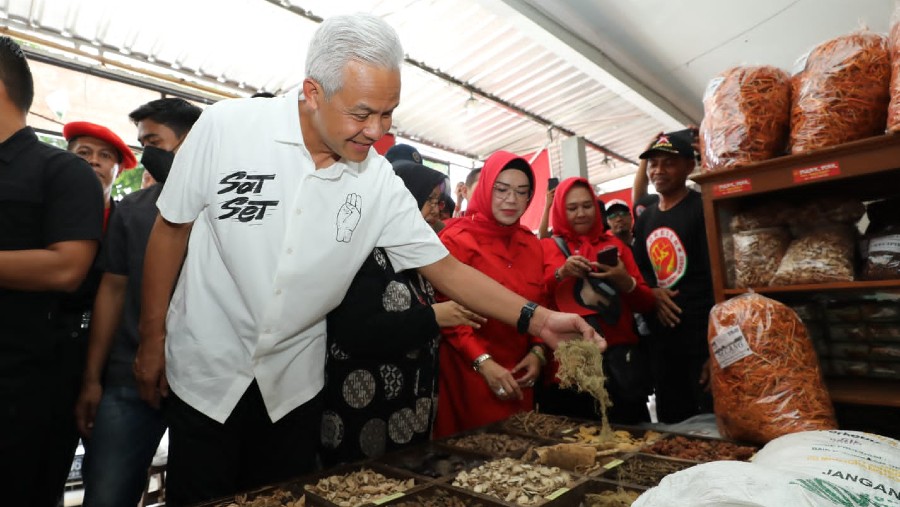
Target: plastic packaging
882 257
826 210
761 216
766 380
843 92
747 113
757 255
810 469
822 255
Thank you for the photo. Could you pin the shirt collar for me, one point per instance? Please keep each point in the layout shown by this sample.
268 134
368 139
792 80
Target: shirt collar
289 131
16 143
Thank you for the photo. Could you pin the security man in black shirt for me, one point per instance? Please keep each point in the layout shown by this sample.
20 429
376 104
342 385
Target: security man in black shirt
51 217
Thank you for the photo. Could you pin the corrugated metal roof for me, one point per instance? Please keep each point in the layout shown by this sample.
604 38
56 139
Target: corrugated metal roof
240 46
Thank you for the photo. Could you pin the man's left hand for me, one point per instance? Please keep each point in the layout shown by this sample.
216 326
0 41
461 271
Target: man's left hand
555 327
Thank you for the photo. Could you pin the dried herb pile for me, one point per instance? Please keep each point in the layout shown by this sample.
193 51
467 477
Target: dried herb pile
581 367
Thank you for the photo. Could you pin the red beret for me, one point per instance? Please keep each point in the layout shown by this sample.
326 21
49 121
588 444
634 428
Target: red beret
82 128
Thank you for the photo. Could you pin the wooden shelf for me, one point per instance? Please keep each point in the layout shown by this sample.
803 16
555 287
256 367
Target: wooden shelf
864 391
869 285
869 156
865 169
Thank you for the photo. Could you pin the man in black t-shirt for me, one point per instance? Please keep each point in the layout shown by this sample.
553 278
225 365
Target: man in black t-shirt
51 218
671 250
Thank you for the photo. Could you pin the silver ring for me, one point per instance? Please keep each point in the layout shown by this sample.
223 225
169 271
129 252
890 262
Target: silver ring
501 391
530 383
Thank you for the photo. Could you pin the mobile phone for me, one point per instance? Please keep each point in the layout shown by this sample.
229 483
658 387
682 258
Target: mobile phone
552 183
609 256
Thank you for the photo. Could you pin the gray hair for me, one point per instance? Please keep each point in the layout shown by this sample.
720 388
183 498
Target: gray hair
341 39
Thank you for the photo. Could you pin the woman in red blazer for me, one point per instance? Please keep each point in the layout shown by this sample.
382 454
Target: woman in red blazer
488 374
609 305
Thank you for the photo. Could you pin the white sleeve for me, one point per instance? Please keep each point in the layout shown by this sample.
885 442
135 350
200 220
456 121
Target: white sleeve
408 239
188 187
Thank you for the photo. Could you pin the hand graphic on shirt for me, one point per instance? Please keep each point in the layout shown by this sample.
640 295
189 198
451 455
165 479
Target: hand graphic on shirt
348 217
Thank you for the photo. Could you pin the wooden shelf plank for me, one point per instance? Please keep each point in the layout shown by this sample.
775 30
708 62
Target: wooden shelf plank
868 285
864 391
867 156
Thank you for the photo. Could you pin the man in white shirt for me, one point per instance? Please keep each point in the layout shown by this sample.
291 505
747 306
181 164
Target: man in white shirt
277 213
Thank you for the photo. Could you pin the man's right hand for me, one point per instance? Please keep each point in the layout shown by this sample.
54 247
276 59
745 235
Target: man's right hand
150 370
451 313
86 407
666 309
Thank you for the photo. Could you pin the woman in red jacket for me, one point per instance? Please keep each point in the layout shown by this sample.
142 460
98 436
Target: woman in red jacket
488 374
606 293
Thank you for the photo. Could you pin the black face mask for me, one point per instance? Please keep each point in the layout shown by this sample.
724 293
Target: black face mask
158 162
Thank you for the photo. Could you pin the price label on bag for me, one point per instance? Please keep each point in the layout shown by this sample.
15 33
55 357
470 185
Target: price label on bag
730 346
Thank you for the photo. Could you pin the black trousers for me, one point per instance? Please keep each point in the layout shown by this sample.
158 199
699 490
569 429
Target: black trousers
209 460
677 358
39 382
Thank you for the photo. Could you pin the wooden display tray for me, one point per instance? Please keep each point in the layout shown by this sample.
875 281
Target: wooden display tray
469 499
620 474
417 460
646 451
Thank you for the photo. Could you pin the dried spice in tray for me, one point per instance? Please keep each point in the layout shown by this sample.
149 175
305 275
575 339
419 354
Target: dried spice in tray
357 488
700 449
619 498
278 498
622 441
494 444
646 471
542 425
579 458
514 481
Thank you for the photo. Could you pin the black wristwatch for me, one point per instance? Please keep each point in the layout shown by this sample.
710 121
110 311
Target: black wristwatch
525 317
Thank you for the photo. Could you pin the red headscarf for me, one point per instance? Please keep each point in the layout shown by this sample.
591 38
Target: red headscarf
561 225
479 214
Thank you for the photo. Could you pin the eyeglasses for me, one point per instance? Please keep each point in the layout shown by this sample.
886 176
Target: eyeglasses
616 214
502 192
435 201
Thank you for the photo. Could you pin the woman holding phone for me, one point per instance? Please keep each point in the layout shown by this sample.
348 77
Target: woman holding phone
592 273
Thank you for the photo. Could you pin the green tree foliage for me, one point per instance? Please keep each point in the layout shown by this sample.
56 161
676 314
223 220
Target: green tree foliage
128 182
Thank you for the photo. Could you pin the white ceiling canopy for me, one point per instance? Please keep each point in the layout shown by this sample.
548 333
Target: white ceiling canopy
481 75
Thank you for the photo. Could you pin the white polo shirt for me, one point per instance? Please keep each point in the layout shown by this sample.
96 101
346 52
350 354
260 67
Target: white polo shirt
274 247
